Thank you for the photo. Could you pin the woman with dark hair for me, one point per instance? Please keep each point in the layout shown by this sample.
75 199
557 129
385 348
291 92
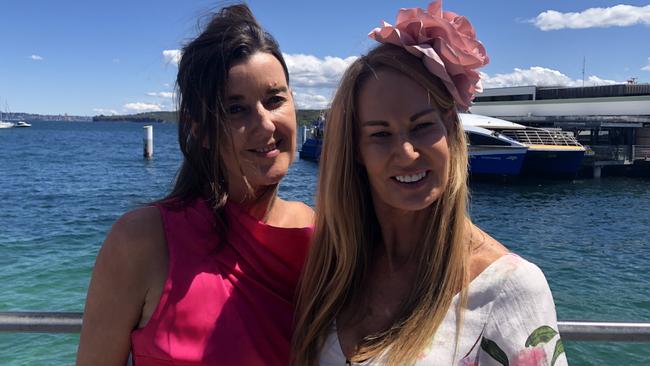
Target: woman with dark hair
206 276
397 273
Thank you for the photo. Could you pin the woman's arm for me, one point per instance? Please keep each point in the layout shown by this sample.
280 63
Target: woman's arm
130 266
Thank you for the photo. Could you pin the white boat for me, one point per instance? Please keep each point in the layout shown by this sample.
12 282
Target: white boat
551 153
22 124
4 124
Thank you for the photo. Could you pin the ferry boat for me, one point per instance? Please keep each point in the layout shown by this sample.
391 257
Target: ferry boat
551 153
491 154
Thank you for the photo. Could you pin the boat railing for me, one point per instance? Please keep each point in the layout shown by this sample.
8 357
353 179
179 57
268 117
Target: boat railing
542 137
68 322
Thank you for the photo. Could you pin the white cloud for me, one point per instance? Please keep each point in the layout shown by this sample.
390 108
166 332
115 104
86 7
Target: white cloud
172 56
309 71
311 77
540 76
615 16
105 111
143 107
647 67
36 57
310 100
161 94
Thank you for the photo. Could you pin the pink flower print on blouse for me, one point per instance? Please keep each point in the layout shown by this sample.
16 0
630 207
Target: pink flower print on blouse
533 356
468 361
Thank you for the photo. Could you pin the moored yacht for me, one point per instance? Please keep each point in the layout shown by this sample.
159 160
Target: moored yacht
4 124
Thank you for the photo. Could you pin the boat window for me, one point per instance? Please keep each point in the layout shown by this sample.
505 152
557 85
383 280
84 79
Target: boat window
476 140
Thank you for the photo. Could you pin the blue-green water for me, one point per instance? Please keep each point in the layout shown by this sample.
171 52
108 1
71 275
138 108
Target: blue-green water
62 184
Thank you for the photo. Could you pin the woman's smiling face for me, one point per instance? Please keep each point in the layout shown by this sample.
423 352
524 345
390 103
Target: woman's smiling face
261 122
402 141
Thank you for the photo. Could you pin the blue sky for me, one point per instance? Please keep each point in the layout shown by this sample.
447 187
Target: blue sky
92 57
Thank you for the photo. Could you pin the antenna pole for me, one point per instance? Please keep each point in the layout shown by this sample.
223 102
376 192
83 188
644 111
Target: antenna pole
584 62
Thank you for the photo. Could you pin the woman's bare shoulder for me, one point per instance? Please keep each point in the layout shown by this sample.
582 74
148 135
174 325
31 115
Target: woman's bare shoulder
142 224
296 214
136 241
485 251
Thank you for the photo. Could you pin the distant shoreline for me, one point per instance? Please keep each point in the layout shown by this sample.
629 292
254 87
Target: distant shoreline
303 116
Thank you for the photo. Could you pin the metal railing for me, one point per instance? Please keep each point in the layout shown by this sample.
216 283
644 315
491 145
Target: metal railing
628 153
57 322
641 152
539 136
611 152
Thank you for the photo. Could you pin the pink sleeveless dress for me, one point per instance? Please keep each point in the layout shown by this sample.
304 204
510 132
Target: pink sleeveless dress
224 302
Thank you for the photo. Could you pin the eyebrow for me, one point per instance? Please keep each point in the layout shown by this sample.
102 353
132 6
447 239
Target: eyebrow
270 91
413 118
375 123
420 114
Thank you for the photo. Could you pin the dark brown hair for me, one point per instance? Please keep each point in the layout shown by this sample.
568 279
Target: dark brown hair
231 36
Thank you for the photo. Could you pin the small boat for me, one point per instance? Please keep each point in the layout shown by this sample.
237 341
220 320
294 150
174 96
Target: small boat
4 124
313 140
551 154
493 155
22 124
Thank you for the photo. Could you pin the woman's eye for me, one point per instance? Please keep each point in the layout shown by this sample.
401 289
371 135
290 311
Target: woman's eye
422 126
275 101
380 134
235 109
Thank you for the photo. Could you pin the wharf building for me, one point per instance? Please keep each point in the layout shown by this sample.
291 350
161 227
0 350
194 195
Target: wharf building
611 121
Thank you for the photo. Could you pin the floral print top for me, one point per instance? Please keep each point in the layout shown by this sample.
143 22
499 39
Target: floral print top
510 320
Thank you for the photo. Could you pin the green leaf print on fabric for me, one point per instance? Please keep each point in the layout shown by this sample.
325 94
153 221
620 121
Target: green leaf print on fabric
542 334
559 349
492 349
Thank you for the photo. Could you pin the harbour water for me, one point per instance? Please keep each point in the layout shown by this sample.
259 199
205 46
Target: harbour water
62 184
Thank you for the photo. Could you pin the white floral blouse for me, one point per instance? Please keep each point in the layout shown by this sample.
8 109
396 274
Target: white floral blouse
509 321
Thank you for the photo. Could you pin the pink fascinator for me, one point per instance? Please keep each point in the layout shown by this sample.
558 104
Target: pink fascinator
445 42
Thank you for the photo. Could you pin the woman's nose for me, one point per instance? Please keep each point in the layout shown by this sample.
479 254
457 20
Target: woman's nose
264 119
406 150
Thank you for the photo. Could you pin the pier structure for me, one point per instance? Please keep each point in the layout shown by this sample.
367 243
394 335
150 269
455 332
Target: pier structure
611 121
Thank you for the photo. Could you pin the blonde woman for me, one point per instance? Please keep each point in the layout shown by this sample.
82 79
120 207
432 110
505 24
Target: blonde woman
397 273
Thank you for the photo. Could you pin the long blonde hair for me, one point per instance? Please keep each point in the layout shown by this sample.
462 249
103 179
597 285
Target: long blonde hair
347 227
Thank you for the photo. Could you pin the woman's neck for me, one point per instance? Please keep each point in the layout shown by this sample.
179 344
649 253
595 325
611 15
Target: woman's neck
401 232
260 204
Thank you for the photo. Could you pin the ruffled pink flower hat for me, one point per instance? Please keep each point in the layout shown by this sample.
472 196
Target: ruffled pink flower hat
446 43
